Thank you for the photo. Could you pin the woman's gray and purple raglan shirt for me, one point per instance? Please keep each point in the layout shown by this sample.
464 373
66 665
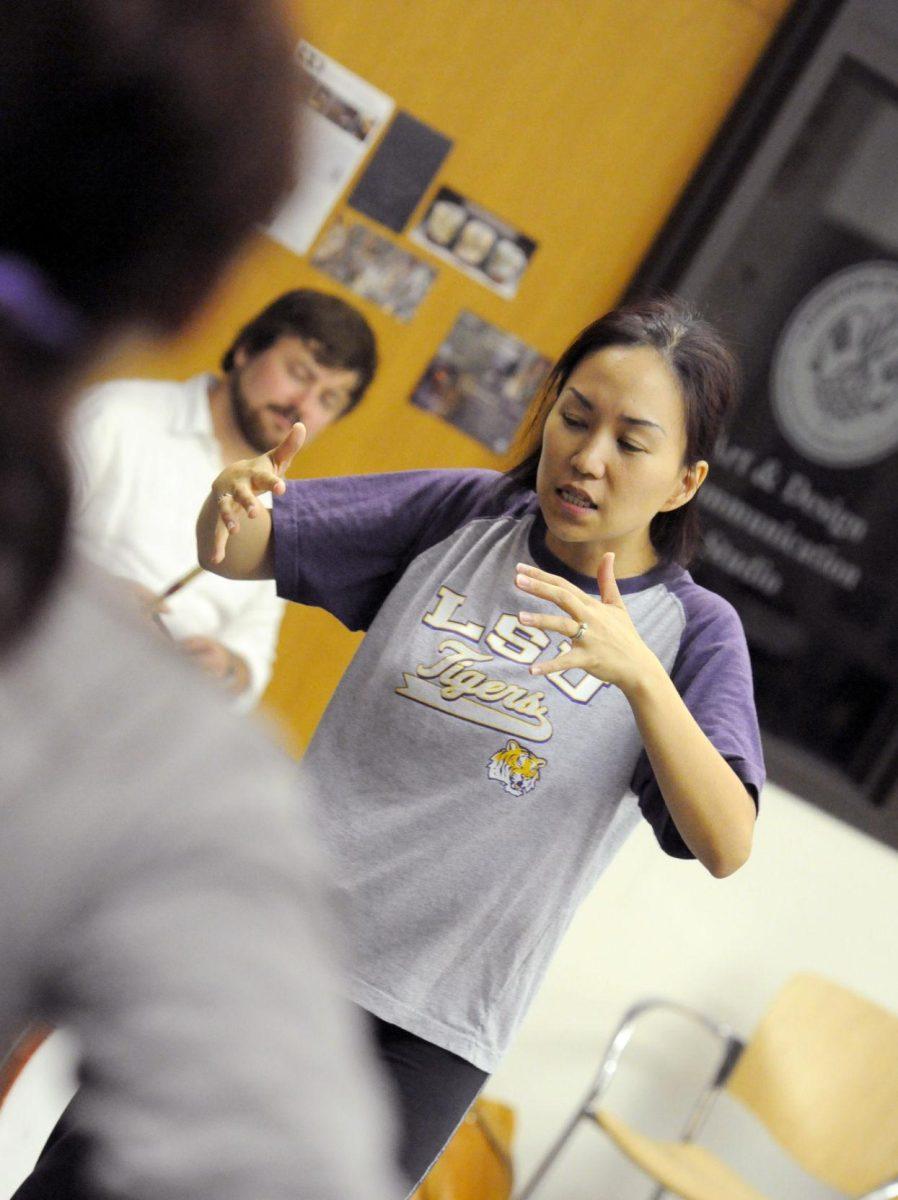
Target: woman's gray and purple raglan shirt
469 806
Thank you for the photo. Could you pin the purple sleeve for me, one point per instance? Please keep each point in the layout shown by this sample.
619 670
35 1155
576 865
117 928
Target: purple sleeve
712 673
342 543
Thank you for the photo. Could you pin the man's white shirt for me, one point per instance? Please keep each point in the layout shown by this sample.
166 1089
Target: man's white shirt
143 456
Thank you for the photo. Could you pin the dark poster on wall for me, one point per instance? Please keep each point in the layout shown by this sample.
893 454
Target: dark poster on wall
801 507
400 172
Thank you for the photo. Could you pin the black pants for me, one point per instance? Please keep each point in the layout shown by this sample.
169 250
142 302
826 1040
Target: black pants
432 1088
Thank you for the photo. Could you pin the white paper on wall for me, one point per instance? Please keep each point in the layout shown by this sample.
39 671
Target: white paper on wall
342 119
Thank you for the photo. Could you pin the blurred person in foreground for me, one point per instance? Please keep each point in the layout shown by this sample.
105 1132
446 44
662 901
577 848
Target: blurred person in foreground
308 356
161 898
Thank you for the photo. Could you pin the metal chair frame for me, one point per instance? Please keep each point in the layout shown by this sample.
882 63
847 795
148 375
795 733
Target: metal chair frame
732 1047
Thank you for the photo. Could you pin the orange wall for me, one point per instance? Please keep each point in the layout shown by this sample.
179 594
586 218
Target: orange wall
577 121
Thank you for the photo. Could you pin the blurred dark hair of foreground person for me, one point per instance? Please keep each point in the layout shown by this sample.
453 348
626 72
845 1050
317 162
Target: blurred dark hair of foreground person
161 897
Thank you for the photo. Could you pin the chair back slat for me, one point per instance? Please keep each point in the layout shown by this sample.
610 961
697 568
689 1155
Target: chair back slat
821 1072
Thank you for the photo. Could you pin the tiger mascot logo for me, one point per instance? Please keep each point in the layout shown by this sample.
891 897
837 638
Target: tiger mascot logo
516 768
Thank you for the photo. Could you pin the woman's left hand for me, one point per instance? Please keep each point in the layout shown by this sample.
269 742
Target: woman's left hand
608 646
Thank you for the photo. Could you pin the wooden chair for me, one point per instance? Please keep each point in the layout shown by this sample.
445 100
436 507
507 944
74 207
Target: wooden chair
477 1163
820 1072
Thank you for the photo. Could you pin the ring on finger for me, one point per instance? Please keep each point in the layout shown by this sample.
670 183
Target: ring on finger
581 629
223 496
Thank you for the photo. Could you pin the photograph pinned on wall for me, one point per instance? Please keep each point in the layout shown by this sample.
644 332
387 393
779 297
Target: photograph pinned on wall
343 118
475 241
481 380
374 268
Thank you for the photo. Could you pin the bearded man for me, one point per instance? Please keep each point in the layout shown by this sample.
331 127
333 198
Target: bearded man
143 452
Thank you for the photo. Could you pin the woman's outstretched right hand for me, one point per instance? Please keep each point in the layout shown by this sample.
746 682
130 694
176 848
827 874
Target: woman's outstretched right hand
236 490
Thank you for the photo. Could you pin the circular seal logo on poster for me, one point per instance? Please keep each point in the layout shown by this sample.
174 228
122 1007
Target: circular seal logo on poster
834 379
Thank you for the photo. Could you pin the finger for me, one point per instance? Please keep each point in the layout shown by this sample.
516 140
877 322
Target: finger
205 662
228 511
282 455
245 497
192 645
567 660
267 481
550 622
222 533
608 589
538 573
158 606
569 602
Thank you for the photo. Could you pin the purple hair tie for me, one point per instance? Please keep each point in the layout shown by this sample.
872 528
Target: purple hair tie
29 301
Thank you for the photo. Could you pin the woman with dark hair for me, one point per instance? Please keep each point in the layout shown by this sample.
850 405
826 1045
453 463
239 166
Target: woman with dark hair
161 899
538 667
707 377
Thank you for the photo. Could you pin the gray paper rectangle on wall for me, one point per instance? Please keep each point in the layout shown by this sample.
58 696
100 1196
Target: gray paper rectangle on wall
400 171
